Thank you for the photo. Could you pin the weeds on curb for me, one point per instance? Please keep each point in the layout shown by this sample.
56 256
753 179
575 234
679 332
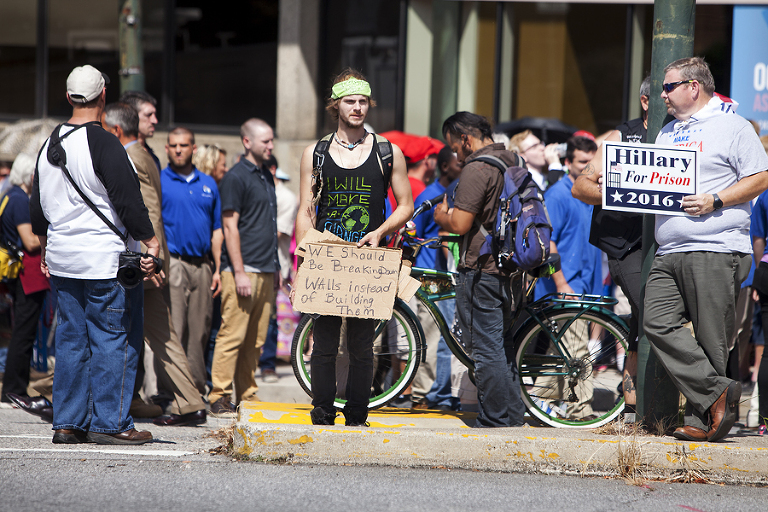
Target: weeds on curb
689 471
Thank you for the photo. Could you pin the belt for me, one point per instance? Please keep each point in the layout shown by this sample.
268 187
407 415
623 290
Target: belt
192 260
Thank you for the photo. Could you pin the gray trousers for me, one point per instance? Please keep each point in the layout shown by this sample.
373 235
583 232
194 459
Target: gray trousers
701 287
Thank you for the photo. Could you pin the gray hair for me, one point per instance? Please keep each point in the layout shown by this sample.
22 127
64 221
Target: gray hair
22 170
124 116
694 68
645 87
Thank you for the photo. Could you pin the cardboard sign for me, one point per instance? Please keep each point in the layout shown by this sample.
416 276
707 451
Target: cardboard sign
647 178
341 279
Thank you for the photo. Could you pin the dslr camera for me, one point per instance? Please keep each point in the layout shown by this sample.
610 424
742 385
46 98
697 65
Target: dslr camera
129 272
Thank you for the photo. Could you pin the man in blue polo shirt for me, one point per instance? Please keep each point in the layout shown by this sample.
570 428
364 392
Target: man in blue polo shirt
192 218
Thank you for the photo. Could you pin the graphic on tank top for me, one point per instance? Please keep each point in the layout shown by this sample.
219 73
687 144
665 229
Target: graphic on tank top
352 201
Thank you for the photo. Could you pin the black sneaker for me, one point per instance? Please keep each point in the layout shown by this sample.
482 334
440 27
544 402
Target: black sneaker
356 418
321 417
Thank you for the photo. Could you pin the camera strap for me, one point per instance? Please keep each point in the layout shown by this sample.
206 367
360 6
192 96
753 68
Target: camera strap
58 157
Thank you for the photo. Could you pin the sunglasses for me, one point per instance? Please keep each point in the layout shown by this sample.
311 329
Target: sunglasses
668 88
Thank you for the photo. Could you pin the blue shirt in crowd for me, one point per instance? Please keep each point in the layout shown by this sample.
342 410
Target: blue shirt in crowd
191 212
571 221
426 227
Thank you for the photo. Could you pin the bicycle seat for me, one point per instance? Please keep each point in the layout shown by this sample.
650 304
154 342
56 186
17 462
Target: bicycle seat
549 267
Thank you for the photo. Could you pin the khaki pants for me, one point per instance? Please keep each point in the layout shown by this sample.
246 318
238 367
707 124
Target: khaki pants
244 326
192 310
171 364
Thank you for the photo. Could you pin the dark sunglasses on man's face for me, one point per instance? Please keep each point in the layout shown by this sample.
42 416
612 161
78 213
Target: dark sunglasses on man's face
668 88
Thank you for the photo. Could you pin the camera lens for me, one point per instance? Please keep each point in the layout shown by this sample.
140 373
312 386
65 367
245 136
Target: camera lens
129 276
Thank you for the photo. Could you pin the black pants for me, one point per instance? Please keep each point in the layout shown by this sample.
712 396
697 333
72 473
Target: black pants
762 375
627 273
26 313
360 333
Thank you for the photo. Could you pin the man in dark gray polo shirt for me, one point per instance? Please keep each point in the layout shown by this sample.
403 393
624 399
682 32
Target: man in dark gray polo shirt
249 268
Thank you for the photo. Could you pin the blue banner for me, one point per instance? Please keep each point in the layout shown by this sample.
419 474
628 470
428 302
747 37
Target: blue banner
749 63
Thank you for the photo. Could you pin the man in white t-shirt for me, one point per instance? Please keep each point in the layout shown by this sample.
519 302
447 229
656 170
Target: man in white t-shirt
703 257
99 330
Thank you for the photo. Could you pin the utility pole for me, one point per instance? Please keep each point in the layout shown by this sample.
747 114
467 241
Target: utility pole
673 29
131 53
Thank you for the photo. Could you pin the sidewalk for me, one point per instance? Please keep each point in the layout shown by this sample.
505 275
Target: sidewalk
408 438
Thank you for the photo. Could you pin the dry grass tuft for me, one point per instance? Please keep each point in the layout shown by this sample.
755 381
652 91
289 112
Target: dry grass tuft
226 436
689 470
629 461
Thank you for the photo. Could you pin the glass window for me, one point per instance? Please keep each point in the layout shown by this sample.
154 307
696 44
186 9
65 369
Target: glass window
86 35
226 62
17 58
362 34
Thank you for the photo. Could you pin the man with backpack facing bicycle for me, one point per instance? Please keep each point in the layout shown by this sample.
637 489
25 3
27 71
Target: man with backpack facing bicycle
485 295
343 188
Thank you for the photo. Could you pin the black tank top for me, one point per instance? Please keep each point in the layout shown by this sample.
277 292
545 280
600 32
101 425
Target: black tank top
352 200
618 233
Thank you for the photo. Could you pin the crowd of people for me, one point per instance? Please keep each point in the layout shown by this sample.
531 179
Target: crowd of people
212 246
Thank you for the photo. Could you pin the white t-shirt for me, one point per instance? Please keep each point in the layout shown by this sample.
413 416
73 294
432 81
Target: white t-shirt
79 244
729 151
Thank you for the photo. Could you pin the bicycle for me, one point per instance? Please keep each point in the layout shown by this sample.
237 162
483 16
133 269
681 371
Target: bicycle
559 377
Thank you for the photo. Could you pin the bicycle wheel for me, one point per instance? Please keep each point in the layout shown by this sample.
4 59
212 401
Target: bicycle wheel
396 357
567 383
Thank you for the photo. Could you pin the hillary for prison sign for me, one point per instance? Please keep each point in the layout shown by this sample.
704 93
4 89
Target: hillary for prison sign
646 178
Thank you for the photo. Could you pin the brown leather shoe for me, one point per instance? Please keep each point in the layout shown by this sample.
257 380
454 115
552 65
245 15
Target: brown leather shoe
690 433
132 436
69 436
140 409
723 412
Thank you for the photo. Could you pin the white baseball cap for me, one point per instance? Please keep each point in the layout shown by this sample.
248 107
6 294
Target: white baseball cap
85 83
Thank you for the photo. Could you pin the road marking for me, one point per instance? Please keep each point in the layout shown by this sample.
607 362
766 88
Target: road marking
26 437
159 453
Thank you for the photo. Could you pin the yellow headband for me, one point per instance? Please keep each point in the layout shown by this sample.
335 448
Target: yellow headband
349 87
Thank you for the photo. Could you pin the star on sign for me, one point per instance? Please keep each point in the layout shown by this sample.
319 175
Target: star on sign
681 203
617 197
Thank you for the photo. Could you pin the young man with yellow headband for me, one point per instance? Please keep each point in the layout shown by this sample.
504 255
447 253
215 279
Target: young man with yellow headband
351 166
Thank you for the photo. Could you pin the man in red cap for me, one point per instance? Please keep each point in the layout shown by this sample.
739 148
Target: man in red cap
421 168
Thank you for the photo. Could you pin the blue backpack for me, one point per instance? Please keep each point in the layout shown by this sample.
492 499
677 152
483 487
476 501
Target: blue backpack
522 232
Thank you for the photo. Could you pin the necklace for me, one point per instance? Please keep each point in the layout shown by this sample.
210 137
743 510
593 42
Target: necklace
350 146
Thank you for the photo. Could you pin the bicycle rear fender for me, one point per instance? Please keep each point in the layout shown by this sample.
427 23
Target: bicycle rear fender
557 308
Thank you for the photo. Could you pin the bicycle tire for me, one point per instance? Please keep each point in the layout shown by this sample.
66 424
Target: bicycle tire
387 385
545 387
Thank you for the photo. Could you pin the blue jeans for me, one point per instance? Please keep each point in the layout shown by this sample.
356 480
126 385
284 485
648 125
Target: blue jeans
98 337
440 394
269 350
484 305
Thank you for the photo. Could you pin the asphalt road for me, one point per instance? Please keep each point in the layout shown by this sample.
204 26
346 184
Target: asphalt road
179 472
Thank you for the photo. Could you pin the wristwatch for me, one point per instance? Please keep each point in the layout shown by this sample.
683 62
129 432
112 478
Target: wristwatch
718 202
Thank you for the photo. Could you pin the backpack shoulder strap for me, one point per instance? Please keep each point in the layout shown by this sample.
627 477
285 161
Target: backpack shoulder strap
495 161
384 148
318 159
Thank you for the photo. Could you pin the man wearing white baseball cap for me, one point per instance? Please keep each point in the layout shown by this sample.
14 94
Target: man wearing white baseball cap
86 208
85 84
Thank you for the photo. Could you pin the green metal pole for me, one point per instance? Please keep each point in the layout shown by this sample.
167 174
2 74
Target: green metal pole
673 28
131 54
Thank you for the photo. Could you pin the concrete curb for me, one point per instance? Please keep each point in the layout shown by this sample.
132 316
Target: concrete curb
405 438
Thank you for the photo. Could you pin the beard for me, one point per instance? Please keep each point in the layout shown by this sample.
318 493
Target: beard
351 123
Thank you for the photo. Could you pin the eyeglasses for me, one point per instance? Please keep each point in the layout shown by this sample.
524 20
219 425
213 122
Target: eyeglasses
533 146
668 88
